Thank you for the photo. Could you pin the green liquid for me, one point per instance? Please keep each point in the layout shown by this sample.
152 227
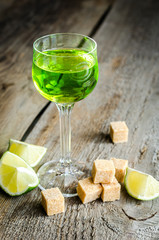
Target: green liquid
65 75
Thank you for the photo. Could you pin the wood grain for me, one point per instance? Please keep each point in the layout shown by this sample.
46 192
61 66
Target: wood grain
128 89
20 24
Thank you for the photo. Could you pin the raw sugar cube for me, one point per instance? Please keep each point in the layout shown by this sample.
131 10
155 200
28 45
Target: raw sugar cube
118 132
120 168
88 191
111 191
52 201
103 171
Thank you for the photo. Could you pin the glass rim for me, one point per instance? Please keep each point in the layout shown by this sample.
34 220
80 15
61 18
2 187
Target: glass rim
48 35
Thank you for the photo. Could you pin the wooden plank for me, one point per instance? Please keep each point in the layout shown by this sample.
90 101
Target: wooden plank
21 23
127 90
5 4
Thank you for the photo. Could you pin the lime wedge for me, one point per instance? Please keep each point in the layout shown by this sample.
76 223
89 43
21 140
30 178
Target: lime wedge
32 154
141 185
16 176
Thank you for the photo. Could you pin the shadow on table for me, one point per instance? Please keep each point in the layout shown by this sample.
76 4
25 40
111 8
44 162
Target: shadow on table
102 137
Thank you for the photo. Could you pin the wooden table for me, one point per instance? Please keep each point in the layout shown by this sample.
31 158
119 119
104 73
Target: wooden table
127 34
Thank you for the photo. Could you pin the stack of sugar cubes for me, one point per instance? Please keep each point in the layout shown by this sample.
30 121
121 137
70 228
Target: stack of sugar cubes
104 182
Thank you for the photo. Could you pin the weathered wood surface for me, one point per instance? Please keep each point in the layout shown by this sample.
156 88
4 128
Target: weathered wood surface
21 23
128 89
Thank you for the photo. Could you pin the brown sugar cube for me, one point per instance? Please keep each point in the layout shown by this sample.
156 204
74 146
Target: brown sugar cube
111 191
118 132
120 168
88 191
52 201
103 171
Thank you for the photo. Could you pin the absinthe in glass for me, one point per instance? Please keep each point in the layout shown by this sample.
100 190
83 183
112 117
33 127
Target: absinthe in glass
65 75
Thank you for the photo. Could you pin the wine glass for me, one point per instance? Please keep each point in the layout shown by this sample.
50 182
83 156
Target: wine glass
64 71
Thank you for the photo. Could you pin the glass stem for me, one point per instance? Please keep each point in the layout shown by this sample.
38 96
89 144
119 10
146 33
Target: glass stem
65 131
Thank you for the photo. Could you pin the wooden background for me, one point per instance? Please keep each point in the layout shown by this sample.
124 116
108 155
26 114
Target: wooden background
127 34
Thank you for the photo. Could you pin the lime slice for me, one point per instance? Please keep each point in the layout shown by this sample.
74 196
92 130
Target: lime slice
16 176
141 185
32 154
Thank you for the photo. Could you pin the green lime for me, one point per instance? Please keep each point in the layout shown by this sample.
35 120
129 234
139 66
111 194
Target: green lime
141 185
16 176
32 154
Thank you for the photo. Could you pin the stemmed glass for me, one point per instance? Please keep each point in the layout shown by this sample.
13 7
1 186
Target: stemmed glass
64 71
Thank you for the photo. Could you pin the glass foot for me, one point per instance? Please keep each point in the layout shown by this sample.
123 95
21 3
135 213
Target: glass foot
64 176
